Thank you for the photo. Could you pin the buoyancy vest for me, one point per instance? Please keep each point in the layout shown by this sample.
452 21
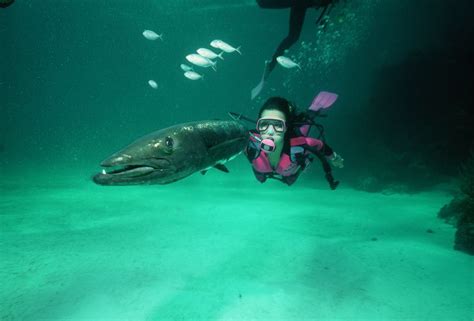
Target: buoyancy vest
290 165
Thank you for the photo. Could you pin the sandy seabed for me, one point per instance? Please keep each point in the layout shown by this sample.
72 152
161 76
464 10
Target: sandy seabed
224 247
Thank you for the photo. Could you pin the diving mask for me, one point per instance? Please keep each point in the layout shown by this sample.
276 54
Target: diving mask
278 125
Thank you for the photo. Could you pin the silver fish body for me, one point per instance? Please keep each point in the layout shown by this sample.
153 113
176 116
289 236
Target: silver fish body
209 53
287 62
200 61
224 46
190 74
151 35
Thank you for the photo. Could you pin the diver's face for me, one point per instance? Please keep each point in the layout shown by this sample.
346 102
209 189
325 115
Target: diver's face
273 130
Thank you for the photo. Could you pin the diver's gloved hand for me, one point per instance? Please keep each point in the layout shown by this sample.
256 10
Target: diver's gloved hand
336 160
332 183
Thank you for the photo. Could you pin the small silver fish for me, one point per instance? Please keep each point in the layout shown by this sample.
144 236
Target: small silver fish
193 75
219 44
152 84
151 35
209 53
287 62
200 61
185 67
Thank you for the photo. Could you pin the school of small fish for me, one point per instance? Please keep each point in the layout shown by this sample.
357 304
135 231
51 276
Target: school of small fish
205 57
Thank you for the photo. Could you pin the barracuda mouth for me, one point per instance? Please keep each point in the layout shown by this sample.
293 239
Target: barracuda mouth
128 170
133 173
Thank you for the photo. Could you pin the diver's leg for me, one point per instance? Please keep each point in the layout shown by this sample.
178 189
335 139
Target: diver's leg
327 170
297 14
6 3
282 4
275 4
321 3
296 25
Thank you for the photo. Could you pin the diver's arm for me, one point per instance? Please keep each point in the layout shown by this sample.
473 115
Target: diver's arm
327 150
252 150
335 159
325 162
251 153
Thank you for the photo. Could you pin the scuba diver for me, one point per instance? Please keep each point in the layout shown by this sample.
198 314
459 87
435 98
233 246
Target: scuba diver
280 147
297 14
6 3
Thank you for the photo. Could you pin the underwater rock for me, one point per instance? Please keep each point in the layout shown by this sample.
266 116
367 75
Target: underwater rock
451 212
464 238
460 211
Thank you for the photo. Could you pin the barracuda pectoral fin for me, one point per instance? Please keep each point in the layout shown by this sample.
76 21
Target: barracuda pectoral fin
221 167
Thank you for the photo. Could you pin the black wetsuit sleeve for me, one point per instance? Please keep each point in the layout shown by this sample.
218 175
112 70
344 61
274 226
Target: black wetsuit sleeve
327 150
321 154
251 151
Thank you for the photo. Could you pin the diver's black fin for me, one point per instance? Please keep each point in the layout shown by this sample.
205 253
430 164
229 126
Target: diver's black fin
221 167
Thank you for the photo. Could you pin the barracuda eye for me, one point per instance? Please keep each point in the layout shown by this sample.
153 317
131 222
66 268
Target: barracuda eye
169 142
